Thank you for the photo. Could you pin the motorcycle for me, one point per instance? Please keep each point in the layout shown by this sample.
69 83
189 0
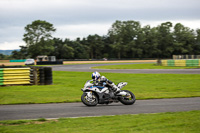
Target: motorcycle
93 95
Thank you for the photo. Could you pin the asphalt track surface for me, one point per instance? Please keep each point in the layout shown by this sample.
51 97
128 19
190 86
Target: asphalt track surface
87 68
63 110
59 110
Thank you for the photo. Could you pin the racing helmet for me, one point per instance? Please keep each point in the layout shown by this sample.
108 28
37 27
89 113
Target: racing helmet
103 79
95 75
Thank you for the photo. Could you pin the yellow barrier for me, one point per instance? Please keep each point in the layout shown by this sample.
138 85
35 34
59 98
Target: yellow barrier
11 76
15 74
180 63
16 70
33 75
164 62
13 83
17 80
16 77
13 69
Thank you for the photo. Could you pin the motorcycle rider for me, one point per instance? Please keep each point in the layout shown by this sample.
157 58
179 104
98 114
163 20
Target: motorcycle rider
103 81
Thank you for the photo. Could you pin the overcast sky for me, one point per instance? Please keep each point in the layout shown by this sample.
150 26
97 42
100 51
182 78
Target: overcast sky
80 18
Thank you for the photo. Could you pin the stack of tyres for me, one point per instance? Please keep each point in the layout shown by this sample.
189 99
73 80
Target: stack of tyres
41 76
48 76
31 76
35 75
38 76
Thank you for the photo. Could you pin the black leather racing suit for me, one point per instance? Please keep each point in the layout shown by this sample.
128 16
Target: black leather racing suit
104 82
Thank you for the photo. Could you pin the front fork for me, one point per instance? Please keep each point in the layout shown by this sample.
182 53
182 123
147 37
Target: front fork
90 96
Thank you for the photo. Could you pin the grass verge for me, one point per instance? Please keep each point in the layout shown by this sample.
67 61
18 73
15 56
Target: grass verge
67 87
141 123
142 66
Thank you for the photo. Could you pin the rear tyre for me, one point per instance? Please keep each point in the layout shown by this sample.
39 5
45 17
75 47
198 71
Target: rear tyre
89 101
127 100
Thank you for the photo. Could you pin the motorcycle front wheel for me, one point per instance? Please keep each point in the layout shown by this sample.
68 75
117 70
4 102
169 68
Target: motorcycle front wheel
89 101
128 99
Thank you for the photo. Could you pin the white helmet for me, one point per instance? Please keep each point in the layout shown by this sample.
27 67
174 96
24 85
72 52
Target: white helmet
95 75
103 79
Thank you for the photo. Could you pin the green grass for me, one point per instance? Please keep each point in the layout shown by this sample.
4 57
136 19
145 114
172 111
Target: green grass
67 87
141 66
157 123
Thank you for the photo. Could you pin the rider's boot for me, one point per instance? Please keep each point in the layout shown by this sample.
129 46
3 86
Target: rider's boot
115 88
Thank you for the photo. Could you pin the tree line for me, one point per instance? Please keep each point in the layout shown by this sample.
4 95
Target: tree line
125 39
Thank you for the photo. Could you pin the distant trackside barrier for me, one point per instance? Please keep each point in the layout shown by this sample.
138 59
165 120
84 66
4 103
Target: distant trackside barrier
18 60
190 62
26 76
49 62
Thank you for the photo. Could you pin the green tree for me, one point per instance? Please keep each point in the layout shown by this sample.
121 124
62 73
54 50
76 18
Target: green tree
38 30
38 38
2 56
44 47
116 38
80 51
165 40
16 54
123 35
184 39
107 51
196 47
62 50
21 54
95 46
150 44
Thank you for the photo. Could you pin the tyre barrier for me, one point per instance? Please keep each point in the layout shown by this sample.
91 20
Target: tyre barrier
26 76
49 62
191 62
41 75
14 76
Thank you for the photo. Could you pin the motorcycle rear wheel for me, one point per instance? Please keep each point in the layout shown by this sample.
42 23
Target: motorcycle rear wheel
127 100
87 102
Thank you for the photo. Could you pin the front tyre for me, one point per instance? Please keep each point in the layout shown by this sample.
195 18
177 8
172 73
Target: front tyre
128 99
89 100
